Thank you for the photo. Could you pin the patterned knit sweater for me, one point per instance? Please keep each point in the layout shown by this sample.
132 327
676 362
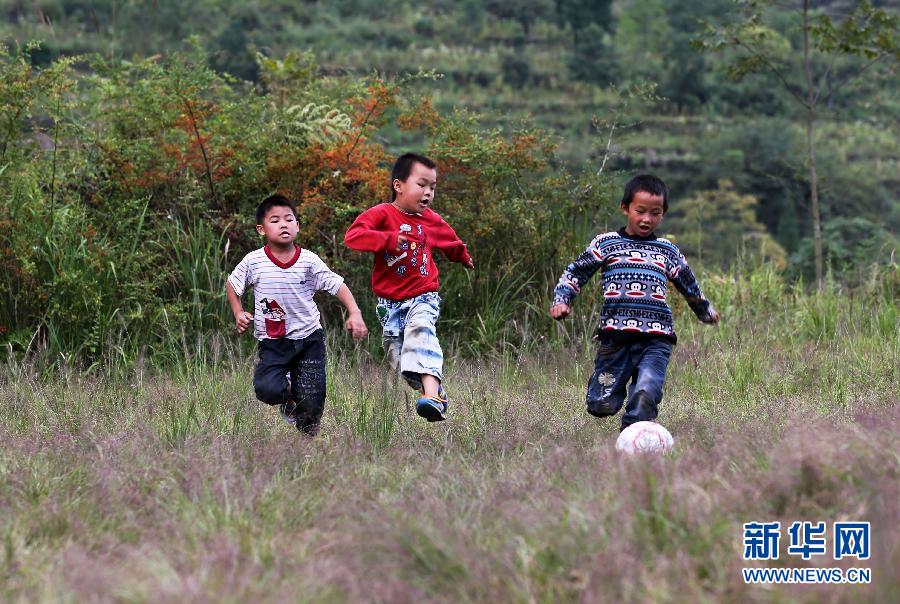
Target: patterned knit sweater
635 271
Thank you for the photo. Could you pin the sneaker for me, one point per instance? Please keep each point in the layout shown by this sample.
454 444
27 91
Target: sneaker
442 395
287 411
432 409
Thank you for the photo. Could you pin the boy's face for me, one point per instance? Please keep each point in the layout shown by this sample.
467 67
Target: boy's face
644 213
279 226
416 192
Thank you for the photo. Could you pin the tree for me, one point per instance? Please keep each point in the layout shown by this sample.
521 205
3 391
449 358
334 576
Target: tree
720 225
593 26
758 155
857 245
526 12
642 34
813 73
594 57
581 14
683 76
233 53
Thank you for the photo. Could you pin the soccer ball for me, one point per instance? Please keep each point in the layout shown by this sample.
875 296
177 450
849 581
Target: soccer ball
644 437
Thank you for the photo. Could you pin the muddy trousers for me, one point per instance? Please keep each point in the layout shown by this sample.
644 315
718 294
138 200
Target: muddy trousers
644 364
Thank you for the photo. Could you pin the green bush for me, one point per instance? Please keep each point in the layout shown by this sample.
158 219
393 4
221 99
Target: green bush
122 228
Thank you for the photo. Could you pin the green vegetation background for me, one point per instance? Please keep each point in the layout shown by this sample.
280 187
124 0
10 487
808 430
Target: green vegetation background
128 173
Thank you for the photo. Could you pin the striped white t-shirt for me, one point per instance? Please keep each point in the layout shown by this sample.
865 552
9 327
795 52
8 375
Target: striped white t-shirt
283 292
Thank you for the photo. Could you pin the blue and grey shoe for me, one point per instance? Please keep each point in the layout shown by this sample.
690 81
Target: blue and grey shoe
434 409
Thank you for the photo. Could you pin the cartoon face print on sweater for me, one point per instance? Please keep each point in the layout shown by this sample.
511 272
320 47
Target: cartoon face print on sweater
613 290
609 323
659 260
656 327
637 256
657 292
635 289
632 325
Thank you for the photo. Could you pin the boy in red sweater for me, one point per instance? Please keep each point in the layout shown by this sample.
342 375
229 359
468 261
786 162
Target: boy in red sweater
402 235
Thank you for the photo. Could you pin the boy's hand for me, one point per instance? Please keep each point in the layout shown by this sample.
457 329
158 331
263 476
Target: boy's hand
356 326
713 316
242 321
401 239
560 311
469 264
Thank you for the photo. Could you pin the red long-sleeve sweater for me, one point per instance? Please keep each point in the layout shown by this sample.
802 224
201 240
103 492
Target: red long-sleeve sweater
399 274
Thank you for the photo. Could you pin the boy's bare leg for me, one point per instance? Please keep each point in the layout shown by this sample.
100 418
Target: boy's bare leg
430 385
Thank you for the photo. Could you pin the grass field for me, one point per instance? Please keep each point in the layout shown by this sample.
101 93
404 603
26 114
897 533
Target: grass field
141 484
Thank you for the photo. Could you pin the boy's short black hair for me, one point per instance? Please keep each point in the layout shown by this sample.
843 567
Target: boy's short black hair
273 201
648 184
403 166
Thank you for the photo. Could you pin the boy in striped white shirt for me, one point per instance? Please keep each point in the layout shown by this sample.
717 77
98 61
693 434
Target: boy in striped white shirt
284 278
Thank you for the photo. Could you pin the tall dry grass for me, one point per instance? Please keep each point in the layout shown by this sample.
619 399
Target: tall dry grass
132 483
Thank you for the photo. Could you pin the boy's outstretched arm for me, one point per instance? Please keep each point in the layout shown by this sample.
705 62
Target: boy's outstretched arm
354 323
574 277
444 238
242 319
685 282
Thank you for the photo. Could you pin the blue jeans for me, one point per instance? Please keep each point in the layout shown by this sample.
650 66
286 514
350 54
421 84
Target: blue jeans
644 363
410 336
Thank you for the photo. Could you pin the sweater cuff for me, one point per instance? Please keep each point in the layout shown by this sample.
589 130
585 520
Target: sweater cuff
703 310
457 253
563 295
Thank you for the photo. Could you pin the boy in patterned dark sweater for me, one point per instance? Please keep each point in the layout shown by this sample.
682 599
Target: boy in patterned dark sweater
636 327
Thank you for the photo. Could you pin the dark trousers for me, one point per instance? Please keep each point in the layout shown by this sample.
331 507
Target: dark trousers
644 363
293 370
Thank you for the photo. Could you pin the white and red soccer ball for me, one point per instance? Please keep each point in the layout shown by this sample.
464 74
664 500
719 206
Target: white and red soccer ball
644 437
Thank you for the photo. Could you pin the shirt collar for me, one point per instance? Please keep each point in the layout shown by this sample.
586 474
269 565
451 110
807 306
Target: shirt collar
278 262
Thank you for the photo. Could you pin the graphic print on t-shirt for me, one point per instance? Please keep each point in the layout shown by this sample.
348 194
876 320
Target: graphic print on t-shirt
413 252
276 326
